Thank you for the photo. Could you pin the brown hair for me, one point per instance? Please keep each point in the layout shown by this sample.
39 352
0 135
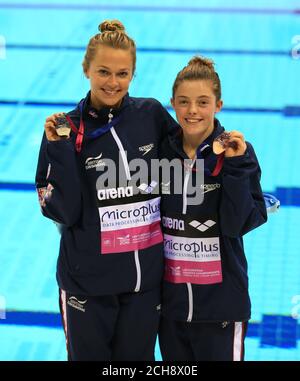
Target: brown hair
112 34
199 68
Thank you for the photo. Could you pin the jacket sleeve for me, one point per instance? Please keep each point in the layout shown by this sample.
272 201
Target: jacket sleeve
57 182
242 207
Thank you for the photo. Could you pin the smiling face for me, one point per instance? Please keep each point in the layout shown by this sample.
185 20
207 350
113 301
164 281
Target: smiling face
110 73
195 105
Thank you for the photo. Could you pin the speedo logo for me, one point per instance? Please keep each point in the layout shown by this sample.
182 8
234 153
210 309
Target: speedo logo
210 187
121 192
202 227
94 162
77 304
146 148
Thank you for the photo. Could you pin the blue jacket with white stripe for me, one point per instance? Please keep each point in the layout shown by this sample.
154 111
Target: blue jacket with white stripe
70 194
210 283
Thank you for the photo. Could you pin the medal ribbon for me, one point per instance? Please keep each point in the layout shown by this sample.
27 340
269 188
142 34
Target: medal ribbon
94 134
220 159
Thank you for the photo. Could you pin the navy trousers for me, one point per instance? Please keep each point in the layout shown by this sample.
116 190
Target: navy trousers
202 341
111 327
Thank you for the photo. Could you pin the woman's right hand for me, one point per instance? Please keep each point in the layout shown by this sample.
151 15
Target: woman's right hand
50 127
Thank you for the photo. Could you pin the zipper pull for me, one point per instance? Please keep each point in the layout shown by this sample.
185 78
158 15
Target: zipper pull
110 115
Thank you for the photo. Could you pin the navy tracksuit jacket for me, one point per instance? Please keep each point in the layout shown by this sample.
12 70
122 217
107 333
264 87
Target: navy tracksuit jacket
86 263
210 283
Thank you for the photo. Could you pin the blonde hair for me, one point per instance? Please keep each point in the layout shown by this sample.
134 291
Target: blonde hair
199 68
112 34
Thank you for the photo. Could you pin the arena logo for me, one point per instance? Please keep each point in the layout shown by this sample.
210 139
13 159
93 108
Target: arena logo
148 188
202 227
121 192
173 223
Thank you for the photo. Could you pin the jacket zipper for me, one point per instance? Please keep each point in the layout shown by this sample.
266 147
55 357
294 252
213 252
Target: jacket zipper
191 304
138 271
128 177
184 209
120 145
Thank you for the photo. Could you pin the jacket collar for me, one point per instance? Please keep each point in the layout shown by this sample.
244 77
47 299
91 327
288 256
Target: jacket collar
175 139
102 113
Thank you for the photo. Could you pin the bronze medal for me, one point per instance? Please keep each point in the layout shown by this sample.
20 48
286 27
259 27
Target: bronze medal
62 127
221 143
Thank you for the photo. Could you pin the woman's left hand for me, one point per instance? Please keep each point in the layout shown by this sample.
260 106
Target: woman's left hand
236 145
